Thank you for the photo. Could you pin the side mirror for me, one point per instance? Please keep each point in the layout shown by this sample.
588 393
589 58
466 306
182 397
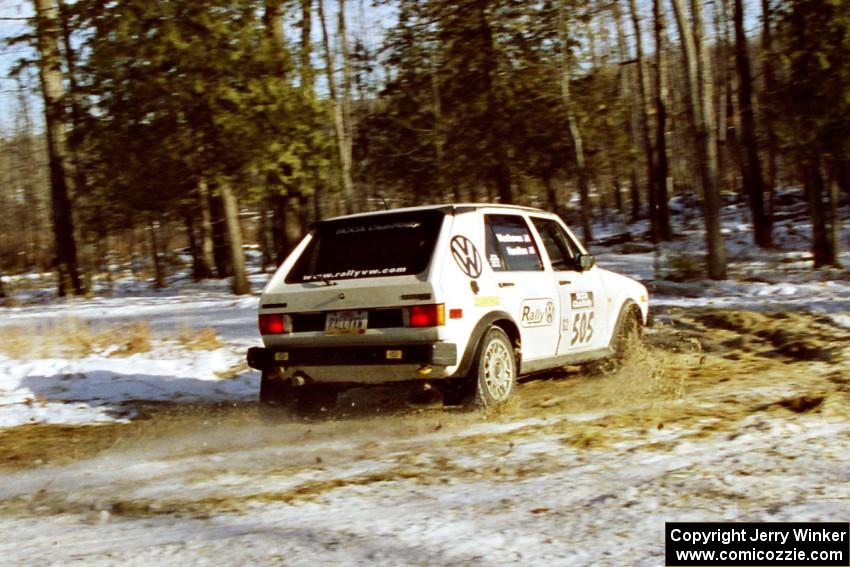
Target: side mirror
585 261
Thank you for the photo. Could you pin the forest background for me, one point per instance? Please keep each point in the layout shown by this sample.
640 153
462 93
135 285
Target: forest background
202 126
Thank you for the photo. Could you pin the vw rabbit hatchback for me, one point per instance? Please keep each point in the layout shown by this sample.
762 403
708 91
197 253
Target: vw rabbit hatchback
458 298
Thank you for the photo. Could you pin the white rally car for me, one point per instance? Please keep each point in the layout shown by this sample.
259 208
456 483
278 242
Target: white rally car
459 297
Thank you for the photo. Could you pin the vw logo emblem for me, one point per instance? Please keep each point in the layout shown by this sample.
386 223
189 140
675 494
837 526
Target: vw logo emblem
466 256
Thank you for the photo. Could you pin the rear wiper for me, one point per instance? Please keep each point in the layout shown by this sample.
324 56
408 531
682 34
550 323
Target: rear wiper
327 282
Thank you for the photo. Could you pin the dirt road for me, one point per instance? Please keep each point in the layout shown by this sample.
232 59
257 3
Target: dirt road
725 415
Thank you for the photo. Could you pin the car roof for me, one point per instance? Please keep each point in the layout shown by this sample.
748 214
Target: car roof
451 209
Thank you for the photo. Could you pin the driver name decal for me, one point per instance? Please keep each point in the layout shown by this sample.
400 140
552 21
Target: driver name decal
581 300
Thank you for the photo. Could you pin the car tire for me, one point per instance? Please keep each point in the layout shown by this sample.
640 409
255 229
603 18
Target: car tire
495 370
625 342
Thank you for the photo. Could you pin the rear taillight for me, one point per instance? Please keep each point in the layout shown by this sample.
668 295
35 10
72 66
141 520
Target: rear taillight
427 315
273 323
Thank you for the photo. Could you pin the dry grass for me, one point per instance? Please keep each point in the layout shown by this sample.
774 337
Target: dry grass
73 338
36 445
198 339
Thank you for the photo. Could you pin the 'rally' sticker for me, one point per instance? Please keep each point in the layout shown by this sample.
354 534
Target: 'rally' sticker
537 312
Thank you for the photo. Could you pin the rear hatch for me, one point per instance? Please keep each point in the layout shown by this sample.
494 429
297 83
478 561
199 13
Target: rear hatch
356 279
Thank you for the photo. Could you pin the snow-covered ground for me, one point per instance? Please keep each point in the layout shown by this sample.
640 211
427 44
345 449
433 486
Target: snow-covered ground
54 390
96 387
580 472
523 498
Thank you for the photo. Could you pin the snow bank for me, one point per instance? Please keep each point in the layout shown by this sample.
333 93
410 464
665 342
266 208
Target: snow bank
96 388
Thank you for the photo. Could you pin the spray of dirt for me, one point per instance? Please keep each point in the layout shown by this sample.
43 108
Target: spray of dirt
704 372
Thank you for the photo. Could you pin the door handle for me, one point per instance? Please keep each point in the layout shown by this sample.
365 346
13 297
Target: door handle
564 282
506 284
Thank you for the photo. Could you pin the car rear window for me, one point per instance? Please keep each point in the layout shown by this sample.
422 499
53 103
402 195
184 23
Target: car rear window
396 244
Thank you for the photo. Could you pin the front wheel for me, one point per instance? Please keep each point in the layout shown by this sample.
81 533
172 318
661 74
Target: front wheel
626 341
495 370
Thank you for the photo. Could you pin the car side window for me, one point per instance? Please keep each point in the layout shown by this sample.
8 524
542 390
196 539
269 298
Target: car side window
509 244
560 248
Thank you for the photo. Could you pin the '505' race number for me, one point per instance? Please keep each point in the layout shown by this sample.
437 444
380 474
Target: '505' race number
582 327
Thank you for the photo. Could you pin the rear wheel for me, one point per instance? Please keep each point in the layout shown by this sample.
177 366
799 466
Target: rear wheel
495 370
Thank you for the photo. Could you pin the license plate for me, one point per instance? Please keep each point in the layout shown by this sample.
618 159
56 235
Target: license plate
346 322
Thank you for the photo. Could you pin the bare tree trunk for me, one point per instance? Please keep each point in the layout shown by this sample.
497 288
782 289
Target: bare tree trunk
293 222
80 183
34 216
833 219
347 116
626 97
634 195
572 124
239 283
73 93
220 235
732 127
711 187
207 257
500 173
348 194
645 110
278 229
439 139
697 66
264 239
663 181
767 113
156 255
305 52
273 22
50 70
823 244
104 256
842 175
722 80
290 204
618 198
190 228
551 192
751 170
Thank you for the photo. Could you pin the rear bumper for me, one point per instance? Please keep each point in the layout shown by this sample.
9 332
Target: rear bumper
438 354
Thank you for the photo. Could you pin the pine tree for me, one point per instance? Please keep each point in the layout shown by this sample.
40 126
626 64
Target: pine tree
50 71
816 37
